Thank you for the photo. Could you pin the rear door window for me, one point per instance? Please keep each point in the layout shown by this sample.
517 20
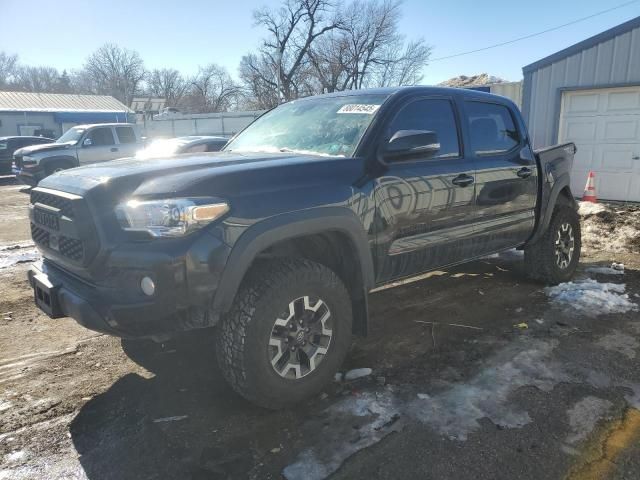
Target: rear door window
101 136
126 135
435 115
491 128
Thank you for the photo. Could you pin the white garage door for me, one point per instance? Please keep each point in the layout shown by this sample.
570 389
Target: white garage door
605 126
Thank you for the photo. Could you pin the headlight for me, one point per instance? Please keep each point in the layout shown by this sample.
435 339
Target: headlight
27 159
172 217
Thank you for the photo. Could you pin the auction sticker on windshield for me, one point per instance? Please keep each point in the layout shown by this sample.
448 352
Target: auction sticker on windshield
359 108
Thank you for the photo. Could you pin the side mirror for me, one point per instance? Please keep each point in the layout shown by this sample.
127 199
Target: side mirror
412 142
87 142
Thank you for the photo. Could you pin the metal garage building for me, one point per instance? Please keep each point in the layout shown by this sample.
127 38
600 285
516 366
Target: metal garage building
52 114
589 94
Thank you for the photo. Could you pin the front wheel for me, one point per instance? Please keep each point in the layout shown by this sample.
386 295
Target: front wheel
287 333
554 258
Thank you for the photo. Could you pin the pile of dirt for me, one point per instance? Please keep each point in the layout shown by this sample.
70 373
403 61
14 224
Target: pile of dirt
609 227
472 81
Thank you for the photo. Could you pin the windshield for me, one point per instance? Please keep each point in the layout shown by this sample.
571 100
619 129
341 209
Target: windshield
71 136
324 126
160 147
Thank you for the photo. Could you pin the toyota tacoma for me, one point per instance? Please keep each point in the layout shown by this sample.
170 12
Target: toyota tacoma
277 240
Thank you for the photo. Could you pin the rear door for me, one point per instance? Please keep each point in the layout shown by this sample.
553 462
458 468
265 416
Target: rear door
506 176
127 141
425 213
103 146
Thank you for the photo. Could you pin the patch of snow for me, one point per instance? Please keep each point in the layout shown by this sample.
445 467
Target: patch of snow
591 298
589 208
508 255
15 456
340 439
456 411
357 373
605 271
362 420
13 254
170 419
5 405
584 416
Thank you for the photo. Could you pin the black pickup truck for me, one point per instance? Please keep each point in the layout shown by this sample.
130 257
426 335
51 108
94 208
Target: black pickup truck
277 240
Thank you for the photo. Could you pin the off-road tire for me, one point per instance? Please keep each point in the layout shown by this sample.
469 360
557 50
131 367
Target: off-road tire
242 340
540 258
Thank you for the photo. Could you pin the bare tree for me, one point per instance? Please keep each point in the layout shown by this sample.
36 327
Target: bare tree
316 46
36 79
371 52
211 90
8 64
167 83
292 29
260 82
115 71
401 64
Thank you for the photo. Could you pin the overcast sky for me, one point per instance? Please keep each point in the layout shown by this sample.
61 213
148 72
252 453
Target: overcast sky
185 34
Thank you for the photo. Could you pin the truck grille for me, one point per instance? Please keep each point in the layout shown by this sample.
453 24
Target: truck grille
62 203
62 226
71 248
17 159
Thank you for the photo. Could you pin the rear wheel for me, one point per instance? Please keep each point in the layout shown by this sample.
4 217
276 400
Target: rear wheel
554 258
287 333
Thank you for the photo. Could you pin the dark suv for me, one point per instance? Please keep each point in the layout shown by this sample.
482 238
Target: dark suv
8 145
277 240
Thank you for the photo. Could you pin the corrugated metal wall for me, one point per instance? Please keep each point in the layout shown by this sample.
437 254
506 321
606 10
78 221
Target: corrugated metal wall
511 90
225 124
610 63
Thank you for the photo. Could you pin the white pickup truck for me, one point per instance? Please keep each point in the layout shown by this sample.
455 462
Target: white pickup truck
80 145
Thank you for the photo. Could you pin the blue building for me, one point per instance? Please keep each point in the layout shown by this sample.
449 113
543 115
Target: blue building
51 114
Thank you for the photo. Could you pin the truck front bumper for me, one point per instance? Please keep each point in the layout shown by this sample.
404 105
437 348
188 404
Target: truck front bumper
29 176
185 285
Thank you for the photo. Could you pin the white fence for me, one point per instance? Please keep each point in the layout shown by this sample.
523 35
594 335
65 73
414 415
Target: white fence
224 124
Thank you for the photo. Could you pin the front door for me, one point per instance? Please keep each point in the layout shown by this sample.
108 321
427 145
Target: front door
506 177
100 148
425 203
127 142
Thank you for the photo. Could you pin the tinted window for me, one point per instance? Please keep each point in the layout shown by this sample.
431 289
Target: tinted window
200 147
491 128
434 115
101 136
216 146
126 135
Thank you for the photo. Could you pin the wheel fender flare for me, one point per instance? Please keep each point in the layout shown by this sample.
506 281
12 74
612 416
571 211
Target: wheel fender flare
58 158
286 226
548 207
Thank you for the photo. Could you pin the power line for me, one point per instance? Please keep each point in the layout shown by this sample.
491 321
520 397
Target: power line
534 34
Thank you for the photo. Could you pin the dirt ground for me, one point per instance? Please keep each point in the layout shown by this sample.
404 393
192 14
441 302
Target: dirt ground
507 381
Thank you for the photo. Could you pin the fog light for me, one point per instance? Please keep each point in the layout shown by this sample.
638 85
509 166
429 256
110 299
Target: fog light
147 286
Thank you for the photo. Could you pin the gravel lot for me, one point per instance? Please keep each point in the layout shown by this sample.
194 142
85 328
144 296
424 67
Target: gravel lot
477 373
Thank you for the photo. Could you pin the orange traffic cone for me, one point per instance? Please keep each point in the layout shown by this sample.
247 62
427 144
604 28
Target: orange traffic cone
590 189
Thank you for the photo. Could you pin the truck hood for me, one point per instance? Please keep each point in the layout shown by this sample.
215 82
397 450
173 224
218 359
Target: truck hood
220 173
42 148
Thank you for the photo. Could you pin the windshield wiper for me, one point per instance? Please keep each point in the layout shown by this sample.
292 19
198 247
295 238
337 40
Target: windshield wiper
286 150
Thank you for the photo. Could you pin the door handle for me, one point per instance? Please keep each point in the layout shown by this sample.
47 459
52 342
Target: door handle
114 149
462 180
635 157
524 172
